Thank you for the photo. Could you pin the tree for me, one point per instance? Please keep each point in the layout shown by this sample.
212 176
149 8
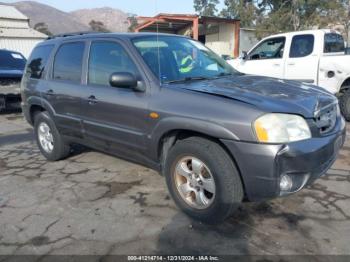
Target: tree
206 7
98 26
343 17
43 28
293 15
245 10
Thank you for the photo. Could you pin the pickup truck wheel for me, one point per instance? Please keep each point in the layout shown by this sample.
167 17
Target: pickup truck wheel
203 180
344 103
49 140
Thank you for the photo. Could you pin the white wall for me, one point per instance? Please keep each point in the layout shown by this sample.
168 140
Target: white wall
223 42
22 45
247 40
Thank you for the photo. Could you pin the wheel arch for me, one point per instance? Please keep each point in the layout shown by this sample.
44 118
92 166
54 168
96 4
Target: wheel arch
170 138
345 85
36 105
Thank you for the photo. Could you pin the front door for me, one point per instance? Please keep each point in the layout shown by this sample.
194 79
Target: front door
115 118
266 59
302 61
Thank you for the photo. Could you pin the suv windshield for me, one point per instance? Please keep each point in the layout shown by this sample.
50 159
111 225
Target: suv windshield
11 60
173 58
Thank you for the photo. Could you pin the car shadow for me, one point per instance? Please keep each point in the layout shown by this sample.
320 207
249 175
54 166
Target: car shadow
183 236
241 234
11 111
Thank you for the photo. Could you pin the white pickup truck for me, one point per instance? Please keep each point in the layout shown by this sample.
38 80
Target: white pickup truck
315 56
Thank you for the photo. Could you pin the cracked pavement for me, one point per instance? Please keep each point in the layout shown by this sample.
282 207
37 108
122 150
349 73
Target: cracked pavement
96 204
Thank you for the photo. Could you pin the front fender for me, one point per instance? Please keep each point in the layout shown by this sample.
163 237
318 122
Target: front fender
170 124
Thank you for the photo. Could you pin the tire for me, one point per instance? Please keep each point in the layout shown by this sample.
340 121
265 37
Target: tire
344 103
59 149
228 193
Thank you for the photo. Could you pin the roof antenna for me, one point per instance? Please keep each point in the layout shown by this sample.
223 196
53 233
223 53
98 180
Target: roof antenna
158 49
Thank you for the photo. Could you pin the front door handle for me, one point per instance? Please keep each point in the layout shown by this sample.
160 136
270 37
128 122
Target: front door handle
92 100
49 92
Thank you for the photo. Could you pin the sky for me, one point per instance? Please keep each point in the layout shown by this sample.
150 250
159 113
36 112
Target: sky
139 7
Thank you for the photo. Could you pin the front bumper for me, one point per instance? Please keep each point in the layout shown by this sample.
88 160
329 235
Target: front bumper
262 165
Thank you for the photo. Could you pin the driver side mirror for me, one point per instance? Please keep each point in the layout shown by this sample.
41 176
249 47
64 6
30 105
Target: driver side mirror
244 55
126 80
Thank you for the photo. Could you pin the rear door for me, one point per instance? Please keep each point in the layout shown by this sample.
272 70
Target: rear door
266 59
302 60
114 118
65 89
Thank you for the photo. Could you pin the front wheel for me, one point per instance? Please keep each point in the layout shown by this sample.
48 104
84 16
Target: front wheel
203 180
344 103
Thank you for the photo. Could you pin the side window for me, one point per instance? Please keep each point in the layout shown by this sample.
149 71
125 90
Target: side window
38 60
333 43
269 49
302 45
107 58
68 62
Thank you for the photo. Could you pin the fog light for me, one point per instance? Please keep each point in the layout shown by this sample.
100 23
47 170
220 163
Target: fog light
286 183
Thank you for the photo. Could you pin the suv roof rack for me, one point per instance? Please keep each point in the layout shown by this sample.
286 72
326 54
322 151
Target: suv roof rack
72 34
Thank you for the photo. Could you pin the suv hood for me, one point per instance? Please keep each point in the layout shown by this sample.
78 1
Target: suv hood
268 94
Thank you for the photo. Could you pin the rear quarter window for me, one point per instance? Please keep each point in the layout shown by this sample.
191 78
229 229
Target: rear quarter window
38 60
333 43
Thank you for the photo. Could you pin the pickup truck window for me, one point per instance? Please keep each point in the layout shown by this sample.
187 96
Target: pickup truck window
333 43
302 45
38 60
269 49
107 58
179 58
68 62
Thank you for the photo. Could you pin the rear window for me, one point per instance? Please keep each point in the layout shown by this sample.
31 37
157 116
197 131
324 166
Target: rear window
38 60
333 43
302 45
68 62
11 60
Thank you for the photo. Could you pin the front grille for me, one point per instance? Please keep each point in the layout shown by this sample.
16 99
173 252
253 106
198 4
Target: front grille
326 118
9 81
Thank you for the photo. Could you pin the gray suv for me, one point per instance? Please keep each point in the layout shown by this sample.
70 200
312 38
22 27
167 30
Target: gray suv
169 103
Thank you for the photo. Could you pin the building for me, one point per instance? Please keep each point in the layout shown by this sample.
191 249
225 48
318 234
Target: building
247 39
15 32
219 34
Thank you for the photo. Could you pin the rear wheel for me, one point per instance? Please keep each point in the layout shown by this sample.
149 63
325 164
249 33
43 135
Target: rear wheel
344 103
49 141
203 180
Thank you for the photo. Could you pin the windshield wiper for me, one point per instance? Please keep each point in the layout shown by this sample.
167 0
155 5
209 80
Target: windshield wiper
187 79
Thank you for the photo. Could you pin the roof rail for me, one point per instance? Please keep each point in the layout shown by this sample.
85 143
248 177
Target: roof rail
73 34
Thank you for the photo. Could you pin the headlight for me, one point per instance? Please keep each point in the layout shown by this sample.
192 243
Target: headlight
281 128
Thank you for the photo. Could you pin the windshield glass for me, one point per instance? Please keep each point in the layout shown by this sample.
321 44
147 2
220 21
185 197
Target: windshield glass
173 58
11 60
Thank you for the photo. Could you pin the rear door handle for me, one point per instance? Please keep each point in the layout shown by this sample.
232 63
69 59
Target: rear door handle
291 64
92 100
49 92
276 64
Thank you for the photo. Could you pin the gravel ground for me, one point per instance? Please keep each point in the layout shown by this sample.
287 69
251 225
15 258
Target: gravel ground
96 204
